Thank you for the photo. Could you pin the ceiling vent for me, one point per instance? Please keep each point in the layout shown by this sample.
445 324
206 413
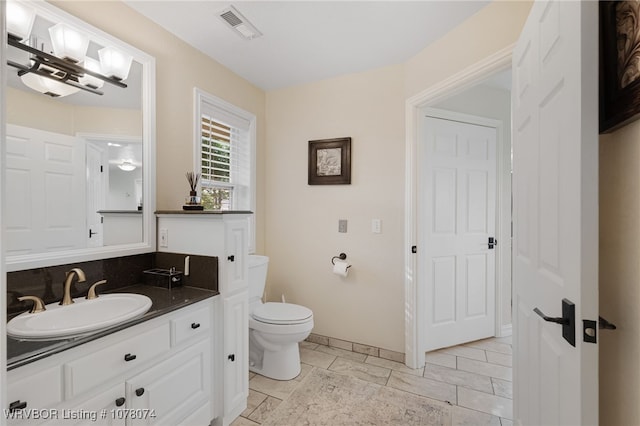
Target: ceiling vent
239 23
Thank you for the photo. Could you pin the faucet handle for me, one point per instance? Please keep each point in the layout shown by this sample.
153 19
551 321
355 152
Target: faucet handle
91 294
38 304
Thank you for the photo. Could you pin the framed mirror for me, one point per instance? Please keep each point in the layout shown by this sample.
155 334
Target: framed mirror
79 180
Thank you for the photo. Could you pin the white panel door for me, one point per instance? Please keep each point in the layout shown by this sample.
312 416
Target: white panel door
45 188
555 194
459 201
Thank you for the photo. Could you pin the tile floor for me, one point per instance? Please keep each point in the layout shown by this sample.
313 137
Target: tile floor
475 378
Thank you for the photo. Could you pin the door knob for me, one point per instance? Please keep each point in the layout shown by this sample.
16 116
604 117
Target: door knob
120 402
139 391
232 357
568 320
231 258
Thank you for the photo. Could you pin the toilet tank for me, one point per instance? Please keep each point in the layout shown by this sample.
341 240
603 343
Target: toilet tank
257 275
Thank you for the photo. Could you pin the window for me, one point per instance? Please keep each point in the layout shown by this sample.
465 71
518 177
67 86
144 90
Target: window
225 147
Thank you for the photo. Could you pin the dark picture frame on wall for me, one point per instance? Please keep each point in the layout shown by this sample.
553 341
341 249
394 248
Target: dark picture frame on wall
619 64
330 162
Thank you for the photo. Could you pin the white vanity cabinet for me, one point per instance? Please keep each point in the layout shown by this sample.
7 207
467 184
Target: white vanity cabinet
224 235
157 372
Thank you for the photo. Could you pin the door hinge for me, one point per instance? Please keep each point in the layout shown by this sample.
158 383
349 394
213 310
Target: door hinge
101 169
492 243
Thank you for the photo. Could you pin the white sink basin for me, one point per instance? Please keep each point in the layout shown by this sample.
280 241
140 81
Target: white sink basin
84 316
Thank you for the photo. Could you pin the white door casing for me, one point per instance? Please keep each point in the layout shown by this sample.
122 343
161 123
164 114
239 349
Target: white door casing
555 247
457 205
96 193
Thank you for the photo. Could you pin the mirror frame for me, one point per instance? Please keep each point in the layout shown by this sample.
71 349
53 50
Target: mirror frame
148 243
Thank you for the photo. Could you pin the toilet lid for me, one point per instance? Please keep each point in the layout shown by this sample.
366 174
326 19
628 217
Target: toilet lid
282 313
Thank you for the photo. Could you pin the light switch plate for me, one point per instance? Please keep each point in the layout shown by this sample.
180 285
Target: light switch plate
164 237
342 225
376 226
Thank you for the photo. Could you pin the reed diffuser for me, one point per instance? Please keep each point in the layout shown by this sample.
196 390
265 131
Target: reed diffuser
192 202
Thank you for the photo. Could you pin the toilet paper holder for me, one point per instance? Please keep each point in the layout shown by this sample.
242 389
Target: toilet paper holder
341 256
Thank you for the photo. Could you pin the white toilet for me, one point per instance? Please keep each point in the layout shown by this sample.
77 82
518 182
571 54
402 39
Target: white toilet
275 329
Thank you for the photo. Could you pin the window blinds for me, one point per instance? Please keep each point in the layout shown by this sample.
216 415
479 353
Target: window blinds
225 152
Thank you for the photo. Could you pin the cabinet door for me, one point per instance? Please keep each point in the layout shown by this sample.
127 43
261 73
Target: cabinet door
105 409
235 359
28 388
236 262
172 390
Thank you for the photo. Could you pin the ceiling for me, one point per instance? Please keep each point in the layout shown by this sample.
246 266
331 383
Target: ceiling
305 41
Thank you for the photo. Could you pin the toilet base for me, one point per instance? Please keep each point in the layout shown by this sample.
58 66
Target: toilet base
283 364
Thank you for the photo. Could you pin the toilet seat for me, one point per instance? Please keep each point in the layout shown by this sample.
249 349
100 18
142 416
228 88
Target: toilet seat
282 313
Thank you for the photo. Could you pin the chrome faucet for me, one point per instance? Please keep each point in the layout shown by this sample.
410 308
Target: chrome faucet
66 299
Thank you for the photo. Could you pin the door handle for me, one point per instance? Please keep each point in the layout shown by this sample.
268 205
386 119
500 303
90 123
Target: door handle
91 233
557 320
492 243
606 325
568 320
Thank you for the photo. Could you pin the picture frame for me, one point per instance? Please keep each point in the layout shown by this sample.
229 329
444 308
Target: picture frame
330 161
619 97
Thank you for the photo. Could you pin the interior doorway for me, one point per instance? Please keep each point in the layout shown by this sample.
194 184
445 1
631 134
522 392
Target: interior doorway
449 95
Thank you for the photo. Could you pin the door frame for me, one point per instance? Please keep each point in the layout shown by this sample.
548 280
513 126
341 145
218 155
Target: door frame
415 304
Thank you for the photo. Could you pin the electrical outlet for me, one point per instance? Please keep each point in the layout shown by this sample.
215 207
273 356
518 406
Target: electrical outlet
376 226
164 237
342 225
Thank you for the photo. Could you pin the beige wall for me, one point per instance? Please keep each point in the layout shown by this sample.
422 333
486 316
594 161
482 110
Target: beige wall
302 220
31 109
620 275
179 68
493 28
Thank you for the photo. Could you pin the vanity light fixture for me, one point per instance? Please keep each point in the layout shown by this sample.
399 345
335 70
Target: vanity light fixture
88 80
47 86
127 166
20 20
68 43
59 74
115 63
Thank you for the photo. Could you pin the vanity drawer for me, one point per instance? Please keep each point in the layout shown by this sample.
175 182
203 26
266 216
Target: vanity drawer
39 390
190 324
114 360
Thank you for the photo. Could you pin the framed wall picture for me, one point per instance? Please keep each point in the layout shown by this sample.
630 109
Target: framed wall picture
330 161
619 63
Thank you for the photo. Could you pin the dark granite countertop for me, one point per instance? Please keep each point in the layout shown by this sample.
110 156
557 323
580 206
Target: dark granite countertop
21 352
